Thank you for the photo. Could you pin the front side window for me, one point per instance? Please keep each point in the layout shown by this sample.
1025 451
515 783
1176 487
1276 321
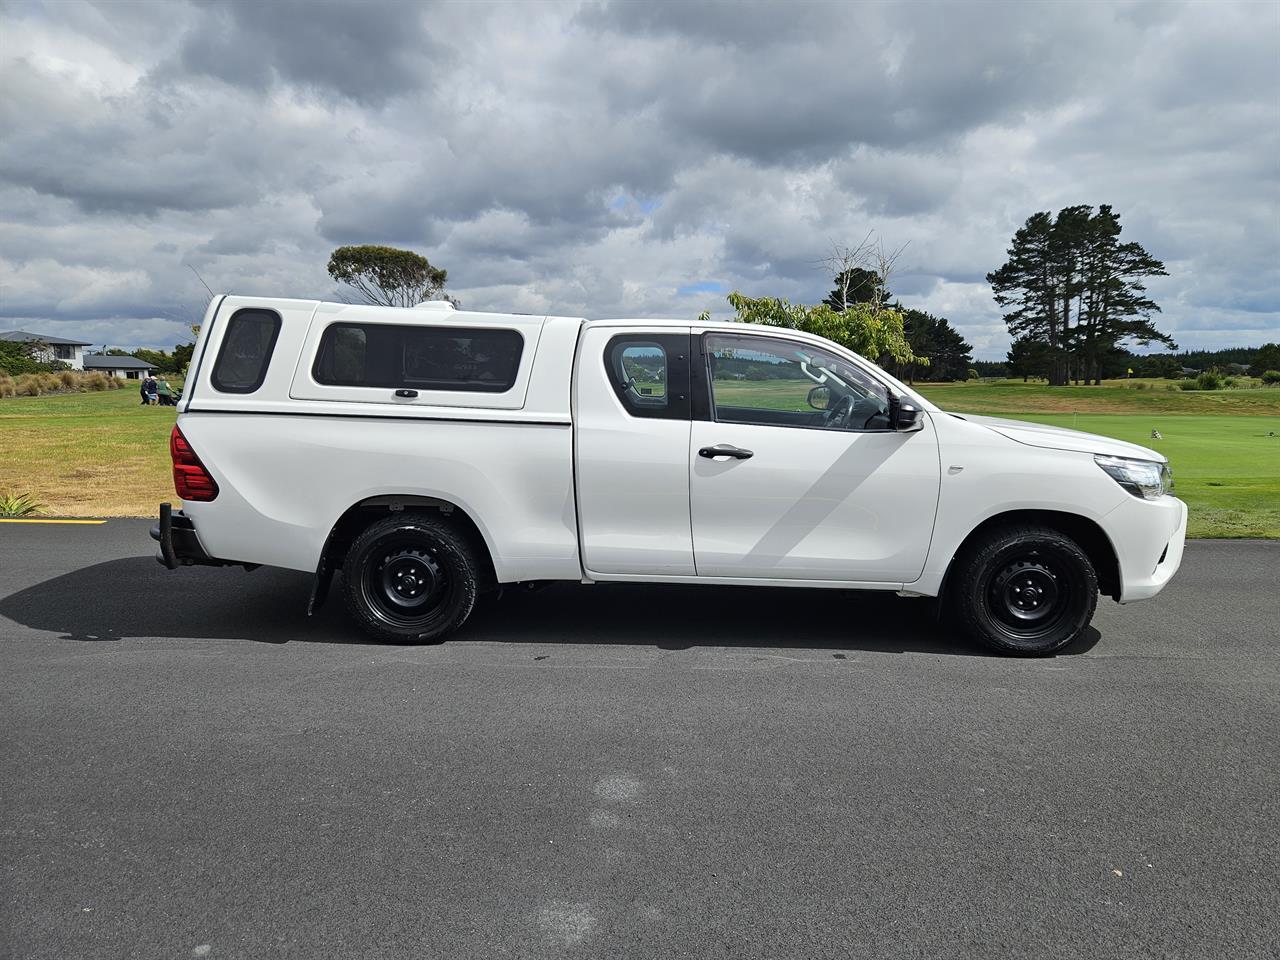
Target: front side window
421 358
782 383
246 351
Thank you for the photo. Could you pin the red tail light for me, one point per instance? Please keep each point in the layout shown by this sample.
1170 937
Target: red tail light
190 479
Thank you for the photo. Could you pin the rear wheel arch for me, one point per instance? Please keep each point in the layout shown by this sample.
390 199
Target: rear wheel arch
1086 533
359 516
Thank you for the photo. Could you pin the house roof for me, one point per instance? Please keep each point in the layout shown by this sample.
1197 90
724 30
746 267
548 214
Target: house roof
99 362
23 336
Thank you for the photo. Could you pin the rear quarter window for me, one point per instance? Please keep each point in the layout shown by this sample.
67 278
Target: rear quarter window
246 350
396 356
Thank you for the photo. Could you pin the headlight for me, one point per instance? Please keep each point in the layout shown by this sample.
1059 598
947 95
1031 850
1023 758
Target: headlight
1142 478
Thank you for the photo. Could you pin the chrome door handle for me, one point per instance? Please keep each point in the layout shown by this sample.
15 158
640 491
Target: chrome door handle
725 450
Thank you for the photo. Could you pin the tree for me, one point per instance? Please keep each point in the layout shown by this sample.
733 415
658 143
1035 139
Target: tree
1030 358
19 356
949 355
856 285
1267 358
861 273
871 330
1070 285
387 276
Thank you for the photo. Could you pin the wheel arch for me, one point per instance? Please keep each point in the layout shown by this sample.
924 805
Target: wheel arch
361 514
1090 537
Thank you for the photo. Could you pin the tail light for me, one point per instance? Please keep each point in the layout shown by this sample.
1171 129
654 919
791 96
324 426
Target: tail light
190 479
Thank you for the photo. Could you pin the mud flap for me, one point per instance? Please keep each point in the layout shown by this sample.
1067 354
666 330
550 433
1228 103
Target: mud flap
324 576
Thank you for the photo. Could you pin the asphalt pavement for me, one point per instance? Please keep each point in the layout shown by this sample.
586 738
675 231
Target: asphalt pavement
189 767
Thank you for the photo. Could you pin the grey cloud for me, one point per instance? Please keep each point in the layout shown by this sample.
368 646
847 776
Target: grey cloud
346 48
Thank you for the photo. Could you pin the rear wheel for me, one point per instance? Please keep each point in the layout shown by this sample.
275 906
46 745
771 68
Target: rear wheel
1026 591
410 578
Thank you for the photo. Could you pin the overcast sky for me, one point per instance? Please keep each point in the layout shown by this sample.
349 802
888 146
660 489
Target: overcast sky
626 159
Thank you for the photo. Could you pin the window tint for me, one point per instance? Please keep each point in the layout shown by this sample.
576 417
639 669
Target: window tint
246 351
422 358
651 374
780 383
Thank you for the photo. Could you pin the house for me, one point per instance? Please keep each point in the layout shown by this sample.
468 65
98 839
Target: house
126 368
51 348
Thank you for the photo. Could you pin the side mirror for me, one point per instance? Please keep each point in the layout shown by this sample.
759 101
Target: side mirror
905 417
819 398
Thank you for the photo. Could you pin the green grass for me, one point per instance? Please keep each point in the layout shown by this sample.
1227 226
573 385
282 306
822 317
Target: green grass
87 454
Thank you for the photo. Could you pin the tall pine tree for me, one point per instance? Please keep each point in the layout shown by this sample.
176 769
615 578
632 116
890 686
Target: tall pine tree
1074 290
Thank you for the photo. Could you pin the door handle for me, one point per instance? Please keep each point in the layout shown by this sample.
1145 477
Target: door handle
407 394
725 450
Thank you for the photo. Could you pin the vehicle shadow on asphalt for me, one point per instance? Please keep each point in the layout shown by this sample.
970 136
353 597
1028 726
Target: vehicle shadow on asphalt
135 597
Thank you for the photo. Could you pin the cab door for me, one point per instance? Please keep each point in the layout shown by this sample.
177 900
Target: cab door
784 486
631 435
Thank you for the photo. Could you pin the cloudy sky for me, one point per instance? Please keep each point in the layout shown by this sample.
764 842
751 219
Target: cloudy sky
625 159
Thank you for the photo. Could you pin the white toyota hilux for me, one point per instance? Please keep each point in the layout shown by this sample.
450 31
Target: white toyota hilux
430 454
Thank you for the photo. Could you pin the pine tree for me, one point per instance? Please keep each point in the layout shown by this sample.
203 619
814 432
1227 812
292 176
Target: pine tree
1076 290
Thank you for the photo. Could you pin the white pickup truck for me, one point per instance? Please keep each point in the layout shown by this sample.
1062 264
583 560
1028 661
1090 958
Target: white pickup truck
430 454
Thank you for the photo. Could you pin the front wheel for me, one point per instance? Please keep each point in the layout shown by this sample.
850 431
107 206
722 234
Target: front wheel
1026 591
410 578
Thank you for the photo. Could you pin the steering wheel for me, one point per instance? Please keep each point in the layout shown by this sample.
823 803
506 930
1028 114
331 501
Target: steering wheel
837 415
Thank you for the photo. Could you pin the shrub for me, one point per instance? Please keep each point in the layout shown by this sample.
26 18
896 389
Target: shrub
69 380
96 381
1208 381
18 505
1139 385
972 375
6 385
49 382
1171 388
1271 377
1188 385
28 385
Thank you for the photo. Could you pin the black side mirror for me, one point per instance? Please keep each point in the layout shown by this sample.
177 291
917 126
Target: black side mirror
905 416
820 398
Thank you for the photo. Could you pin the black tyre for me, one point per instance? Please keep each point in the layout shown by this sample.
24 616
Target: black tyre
410 578
1025 591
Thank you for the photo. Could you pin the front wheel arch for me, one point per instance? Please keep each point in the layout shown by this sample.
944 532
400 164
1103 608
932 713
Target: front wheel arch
1090 537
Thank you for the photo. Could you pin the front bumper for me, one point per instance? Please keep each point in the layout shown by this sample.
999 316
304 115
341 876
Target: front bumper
179 544
1148 536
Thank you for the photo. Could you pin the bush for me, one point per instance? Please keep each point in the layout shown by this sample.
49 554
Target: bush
18 505
65 381
1271 377
1208 381
1188 385
972 375
28 385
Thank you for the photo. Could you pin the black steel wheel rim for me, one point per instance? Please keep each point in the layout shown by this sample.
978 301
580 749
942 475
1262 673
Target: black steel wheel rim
1028 596
405 582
